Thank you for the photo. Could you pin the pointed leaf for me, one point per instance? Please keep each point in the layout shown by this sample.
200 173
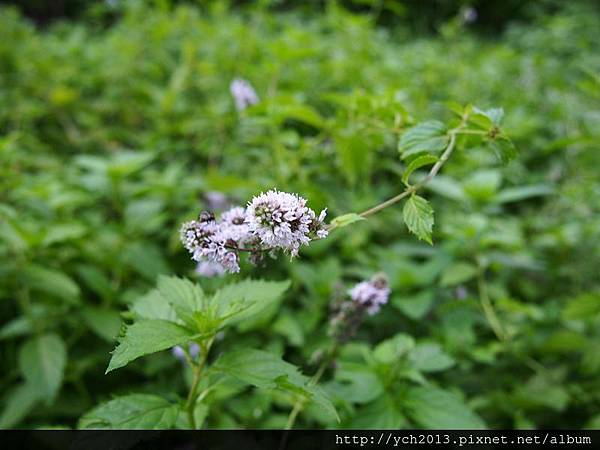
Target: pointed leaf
145 337
434 408
427 136
42 362
346 219
417 163
418 217
133 412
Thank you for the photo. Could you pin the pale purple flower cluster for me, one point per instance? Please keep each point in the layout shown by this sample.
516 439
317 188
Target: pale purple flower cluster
209 240
468 15
371 294
243 94
272 221
282 220
347 315
179 353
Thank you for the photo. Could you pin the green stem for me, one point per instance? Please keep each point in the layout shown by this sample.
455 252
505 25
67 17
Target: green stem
193 394
432 173
312 382
414 188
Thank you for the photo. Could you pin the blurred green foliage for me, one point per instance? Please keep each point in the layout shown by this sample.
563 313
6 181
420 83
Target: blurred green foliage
110 138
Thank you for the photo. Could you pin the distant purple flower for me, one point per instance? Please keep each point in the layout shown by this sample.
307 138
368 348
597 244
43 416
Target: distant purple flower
469 14
282 220
193 351
371 294
243 94
461 292
210 269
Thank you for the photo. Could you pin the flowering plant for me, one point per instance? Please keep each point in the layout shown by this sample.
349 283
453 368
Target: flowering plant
181 316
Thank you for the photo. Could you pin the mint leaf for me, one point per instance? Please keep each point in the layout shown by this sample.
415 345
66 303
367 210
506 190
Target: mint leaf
42 361
185 297
248 300
434 408
346 219
134 411
145 337
418 217
417 163
427 136
268 371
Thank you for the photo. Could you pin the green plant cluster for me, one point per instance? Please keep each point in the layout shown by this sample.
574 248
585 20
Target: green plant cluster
111 138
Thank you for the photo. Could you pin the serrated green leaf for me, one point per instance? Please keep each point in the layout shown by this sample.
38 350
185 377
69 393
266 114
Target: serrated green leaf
185 297
133 412
268 371
418 217
153 306
417 163
504 148
427 136
42 361
247 302
434 408
346 219
257 367
146 337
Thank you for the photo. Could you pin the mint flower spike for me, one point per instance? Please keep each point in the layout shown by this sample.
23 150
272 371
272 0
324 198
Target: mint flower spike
243 94
348 308
371 294
272 221
282 220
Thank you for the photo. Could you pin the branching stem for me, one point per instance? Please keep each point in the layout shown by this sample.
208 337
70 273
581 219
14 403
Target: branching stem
432 173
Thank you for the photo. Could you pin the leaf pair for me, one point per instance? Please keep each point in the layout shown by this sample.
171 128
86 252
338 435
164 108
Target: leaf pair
178 312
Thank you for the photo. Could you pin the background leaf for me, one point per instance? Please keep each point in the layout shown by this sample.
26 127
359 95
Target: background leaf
132 412
42 361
